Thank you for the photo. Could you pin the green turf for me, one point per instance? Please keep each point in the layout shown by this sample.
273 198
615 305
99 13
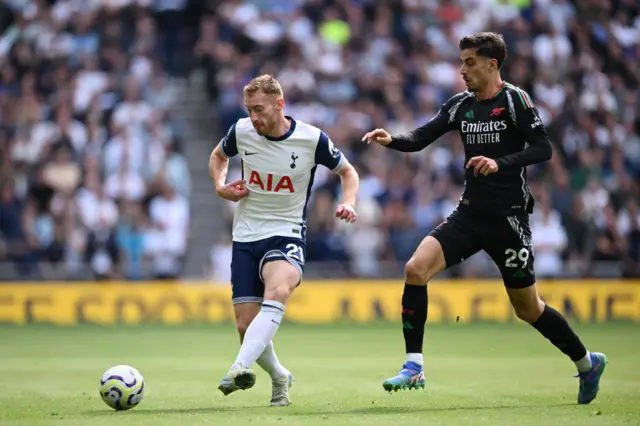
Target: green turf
476 375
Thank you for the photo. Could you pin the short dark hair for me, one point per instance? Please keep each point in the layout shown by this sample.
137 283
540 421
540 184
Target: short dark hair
486 44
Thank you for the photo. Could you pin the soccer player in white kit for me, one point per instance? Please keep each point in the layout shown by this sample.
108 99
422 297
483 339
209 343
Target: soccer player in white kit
279 160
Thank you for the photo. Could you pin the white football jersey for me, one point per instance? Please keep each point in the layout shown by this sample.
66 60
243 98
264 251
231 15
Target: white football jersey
279 175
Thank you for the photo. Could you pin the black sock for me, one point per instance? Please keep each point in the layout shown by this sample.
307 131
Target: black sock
414 314
555 327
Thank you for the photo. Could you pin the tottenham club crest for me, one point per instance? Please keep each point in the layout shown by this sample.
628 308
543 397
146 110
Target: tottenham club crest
332 149
294 157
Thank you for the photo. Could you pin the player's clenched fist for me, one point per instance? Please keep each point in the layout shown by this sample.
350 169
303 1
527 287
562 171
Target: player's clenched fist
482 165
347 213
380 136
233 191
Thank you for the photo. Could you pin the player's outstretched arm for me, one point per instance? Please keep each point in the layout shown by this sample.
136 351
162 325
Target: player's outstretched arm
415 140
350 182
218 168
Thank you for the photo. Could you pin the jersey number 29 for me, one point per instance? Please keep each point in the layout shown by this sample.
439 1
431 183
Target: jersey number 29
522 255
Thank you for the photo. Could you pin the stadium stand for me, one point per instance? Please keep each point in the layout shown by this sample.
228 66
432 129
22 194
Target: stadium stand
93 181
349 66
92 115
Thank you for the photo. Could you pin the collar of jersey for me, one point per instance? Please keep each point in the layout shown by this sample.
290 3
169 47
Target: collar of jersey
286 135
494 95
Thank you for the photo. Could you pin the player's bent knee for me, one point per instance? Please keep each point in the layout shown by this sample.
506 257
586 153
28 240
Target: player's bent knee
280 293
529 312
426 262
280 279
415 272
527 304
529 315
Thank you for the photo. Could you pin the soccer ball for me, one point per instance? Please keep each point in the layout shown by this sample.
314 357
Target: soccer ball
122 387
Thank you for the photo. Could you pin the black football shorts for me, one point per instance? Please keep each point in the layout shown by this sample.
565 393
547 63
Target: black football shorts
506 239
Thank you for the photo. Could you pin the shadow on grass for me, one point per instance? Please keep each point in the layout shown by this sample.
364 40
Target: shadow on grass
410 410
293 410
143 411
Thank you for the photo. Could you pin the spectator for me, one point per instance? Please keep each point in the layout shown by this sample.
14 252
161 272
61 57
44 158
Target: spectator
88 90
167 238
17 246
350 68
578 228
549 241
220 257
131 237
610 246
85 131
365 243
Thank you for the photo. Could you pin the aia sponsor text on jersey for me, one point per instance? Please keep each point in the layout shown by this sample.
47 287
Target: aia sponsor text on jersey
271 183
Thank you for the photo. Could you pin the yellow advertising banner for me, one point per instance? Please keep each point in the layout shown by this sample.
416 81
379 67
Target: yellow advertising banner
314 302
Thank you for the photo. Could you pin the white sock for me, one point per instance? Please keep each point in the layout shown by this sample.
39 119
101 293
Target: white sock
260 332
417 358
584 363
270 363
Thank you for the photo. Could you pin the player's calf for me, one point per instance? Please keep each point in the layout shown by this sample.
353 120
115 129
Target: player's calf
245 313
555 327
550 323
280 277
270 363
427 261
256 339
281 377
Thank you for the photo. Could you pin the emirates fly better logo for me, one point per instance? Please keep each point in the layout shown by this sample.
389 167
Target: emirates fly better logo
483 132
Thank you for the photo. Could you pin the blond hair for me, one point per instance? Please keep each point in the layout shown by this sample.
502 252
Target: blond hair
266 83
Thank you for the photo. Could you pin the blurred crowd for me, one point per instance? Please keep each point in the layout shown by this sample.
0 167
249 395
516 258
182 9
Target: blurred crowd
348 66
92 179
94 182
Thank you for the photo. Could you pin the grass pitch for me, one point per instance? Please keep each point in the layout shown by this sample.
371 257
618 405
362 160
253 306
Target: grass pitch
476 375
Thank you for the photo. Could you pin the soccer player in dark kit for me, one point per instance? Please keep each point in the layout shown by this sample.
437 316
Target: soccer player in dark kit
502 134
